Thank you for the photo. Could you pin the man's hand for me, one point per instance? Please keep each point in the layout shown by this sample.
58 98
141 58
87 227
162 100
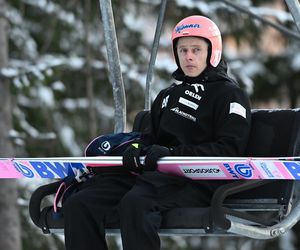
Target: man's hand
131 158
153 154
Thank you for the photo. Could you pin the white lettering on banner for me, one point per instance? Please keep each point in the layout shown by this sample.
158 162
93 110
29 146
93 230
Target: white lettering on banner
188 103
238 109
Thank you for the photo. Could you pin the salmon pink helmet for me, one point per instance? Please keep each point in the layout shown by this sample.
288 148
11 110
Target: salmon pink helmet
199 26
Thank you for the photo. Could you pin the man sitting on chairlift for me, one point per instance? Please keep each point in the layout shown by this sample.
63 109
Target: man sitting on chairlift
202 113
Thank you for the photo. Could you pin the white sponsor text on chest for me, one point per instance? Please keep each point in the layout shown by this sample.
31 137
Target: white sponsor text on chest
190 93
188 103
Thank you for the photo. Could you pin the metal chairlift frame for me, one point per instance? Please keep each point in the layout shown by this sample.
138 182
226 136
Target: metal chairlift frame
230 227
120 99
120 103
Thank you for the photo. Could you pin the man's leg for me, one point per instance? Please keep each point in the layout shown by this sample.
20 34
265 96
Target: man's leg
140 209
140 219
85 212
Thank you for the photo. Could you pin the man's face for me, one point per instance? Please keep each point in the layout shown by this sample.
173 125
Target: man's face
192 54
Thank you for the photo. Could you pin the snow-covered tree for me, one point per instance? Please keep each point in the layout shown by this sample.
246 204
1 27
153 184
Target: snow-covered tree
56 69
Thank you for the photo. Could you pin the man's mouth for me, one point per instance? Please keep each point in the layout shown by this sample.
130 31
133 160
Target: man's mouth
190 66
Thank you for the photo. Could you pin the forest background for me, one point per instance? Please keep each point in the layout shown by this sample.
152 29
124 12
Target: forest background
56 95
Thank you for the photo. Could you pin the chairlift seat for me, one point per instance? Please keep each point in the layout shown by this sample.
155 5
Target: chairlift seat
252 208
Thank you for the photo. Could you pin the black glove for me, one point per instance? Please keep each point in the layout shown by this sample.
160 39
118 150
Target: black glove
131 158
153 153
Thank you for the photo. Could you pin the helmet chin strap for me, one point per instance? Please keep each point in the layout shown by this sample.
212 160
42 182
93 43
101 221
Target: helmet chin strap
208 53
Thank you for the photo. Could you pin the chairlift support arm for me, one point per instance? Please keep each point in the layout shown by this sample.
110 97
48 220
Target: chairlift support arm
120 104
269 232
154 50
114 68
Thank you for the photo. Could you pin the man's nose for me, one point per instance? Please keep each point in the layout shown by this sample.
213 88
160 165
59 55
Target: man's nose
189 55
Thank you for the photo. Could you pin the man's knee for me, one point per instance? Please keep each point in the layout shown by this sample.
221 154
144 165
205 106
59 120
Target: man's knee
130 203
135 203
139 211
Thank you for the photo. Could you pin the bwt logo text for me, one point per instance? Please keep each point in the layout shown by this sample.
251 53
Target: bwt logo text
44 169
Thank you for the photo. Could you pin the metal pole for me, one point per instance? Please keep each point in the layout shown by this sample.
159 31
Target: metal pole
294 8
271 232
154 53
114 68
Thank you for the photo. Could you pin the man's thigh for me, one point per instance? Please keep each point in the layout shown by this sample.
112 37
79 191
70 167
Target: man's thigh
170 191
102 192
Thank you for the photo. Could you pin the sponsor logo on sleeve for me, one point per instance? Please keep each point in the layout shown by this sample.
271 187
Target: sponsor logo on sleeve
165 102
238 109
